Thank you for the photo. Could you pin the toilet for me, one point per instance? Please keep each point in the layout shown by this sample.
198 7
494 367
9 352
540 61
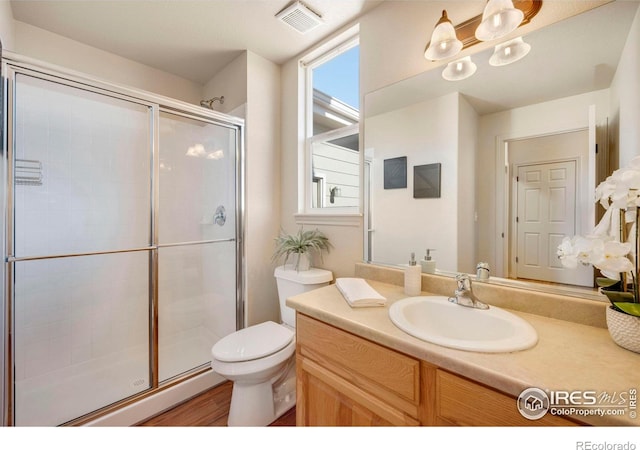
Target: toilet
260 359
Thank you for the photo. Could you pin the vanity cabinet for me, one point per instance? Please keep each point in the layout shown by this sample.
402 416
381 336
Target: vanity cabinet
345 380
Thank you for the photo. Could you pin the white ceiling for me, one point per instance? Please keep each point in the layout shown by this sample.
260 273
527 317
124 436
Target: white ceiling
189 38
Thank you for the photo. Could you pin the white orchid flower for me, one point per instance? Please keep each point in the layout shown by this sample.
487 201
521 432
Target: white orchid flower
611 257
604 192
575 250
607 224
622 188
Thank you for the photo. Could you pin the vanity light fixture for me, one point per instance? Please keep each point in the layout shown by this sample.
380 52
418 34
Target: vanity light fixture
444 42
509 52
499 18
474 30
459 69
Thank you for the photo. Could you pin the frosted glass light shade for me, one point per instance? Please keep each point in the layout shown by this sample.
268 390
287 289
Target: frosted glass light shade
499 18
444 42
459 69
509 52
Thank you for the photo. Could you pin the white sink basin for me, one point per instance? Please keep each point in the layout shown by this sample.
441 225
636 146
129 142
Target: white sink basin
434 319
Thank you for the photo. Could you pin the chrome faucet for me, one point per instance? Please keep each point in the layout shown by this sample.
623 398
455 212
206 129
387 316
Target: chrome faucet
464 295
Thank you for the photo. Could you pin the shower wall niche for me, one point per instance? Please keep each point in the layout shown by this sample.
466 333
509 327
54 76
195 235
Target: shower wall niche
123 239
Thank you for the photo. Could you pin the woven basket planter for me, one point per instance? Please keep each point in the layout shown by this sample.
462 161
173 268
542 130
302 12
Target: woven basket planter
624 329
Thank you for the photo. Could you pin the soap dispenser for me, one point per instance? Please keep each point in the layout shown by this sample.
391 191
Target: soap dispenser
412 277
428 264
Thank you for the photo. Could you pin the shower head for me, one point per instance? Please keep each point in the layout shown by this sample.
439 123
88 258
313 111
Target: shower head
209 103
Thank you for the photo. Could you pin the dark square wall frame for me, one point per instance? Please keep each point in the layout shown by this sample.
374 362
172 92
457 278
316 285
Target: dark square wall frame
426 181
395 173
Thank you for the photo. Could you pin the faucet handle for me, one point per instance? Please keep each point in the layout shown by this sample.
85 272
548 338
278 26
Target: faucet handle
464 282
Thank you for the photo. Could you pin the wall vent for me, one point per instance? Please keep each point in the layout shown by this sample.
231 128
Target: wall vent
300 17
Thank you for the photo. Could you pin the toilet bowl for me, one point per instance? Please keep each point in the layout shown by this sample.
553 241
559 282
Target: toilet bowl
260 359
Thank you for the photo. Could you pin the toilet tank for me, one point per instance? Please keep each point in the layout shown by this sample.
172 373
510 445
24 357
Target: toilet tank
292 282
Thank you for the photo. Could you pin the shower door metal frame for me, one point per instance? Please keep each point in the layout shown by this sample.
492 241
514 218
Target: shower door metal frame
14 64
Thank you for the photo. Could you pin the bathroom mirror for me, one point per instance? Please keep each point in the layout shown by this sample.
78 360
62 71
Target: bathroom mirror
539 118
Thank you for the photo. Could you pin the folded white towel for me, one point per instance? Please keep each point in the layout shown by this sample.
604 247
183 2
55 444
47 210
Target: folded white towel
358 293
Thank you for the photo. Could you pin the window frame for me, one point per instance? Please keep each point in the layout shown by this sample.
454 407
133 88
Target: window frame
307 214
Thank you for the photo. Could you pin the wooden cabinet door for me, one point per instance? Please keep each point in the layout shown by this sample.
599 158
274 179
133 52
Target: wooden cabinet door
336 402
463 402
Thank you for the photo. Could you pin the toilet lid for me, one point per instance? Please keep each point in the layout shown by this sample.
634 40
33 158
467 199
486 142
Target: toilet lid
253 342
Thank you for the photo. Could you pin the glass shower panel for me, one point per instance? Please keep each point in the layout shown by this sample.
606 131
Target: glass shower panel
82 170
197 180
197 281
81 335
197 291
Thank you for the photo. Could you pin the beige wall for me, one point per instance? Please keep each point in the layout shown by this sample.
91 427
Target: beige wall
55 49
292 131
6 26
230 82
52 48
467 151
626 96
262 186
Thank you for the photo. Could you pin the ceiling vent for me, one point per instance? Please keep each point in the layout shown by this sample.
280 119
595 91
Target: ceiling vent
300 17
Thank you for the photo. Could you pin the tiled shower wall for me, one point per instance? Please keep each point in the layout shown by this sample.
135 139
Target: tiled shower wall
94 196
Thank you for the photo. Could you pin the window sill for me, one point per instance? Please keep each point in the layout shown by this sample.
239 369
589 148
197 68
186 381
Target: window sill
345 220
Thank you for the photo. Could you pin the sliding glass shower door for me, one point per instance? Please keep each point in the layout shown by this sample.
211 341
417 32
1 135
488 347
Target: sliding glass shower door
196 240
81 193
122 246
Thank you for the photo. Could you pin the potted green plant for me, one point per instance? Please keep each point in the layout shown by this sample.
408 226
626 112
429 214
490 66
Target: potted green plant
299 245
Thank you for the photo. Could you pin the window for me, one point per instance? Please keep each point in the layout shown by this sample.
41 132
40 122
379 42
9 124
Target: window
332 156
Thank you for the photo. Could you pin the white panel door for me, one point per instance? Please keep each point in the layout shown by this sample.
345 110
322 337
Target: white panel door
546 213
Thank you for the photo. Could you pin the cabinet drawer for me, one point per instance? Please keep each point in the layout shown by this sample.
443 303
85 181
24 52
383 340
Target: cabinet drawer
384 373
463 402
336 402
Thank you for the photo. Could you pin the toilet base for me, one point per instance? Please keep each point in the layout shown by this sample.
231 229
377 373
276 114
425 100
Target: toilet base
284 394
257 405
251 405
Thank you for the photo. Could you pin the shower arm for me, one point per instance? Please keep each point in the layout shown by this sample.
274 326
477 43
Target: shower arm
209 103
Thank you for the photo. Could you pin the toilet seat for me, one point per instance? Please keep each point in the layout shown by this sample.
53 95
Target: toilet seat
254 342
254 367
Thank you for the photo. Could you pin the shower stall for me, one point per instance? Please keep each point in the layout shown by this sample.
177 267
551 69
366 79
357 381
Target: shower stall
122 243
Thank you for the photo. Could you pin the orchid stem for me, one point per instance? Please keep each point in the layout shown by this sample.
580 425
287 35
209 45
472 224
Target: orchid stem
636 294
623 238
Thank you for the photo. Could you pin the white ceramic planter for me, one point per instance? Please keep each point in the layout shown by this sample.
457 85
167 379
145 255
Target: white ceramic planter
624 329
302 262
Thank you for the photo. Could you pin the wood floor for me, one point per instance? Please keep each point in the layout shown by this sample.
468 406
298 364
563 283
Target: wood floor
209 409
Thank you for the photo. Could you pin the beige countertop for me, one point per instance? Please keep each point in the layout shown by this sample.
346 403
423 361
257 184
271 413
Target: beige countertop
568 356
